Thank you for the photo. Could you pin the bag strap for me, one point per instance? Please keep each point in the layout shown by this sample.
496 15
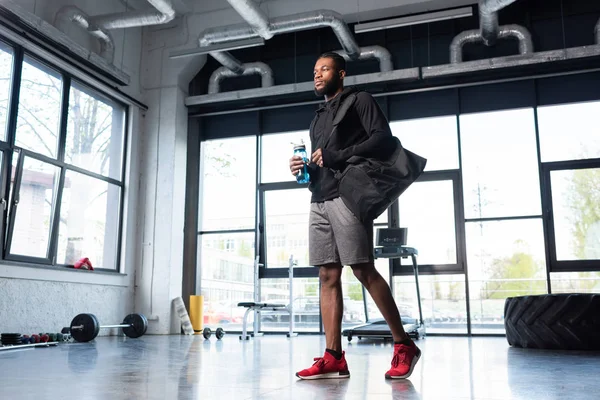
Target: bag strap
339 116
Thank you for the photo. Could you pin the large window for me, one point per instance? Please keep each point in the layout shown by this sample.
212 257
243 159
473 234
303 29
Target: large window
501 186
228 183
507 206
286 213
569 131
500 169
65 142
435 139
226 245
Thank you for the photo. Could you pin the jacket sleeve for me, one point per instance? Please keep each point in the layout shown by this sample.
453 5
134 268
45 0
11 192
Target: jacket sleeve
380 142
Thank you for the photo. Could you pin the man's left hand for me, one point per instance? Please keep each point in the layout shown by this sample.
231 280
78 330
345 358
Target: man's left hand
317 157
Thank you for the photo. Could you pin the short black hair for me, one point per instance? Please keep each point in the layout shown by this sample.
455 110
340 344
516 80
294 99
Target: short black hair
338 61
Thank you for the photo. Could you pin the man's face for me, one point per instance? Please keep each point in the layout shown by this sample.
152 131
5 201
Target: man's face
327 79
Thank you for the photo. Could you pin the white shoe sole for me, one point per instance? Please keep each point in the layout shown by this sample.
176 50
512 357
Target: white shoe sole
409 373
331 375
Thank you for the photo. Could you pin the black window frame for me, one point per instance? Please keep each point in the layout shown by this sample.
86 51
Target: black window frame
555 265
9 149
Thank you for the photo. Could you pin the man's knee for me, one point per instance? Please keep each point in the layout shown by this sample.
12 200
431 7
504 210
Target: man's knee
330 274
364 272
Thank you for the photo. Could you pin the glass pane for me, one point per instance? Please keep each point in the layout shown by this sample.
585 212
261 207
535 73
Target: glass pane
354 308
576 209
226 262
575 282
94 132
276 152
33 221
500 167
228 184
39 108
6 66
569 131
506 259
89 221
382 265
417 135
287 227
306 304
443 301
427 211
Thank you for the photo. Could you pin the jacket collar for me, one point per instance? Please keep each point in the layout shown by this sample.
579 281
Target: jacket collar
335 103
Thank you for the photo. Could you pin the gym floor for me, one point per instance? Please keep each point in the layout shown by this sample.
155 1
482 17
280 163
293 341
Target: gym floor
184 367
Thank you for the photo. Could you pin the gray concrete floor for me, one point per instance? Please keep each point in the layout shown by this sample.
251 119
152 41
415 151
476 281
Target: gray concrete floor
183 367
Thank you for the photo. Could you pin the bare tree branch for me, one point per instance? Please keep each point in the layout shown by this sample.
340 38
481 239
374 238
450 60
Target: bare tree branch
36 134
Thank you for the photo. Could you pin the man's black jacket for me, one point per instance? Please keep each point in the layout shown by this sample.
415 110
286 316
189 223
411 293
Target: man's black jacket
364 132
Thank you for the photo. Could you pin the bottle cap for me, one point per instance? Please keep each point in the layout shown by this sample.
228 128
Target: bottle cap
299 145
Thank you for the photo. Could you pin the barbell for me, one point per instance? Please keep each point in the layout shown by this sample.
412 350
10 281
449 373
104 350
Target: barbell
85 327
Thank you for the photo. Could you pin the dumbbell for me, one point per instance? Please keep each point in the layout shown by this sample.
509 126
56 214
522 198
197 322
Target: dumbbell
207 333
85 327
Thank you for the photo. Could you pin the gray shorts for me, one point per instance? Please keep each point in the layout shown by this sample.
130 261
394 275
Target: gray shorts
335 235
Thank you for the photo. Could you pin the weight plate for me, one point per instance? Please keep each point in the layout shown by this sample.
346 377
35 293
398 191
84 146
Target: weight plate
97 331
206 333
138 324
220 333
84 327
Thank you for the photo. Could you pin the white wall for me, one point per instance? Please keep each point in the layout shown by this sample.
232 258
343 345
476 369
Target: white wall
43 298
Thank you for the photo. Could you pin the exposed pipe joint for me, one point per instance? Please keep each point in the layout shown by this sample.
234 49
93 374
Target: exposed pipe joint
373 52
255 17
488 19
98 25
286 24
163 14
504 32
77 16
253 68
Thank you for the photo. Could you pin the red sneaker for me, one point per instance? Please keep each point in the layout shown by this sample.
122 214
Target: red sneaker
326 367
403 363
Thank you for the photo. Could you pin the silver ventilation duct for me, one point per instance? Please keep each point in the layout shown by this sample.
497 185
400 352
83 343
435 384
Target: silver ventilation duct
253 68
488 19
98 26
254 16
75 15
164 13
370 52
286 24
505 31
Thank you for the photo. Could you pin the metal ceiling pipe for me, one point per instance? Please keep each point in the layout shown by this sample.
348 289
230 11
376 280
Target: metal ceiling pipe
291 23
254 16
597 31
317 19
253 68
77 16
474 36
488 19
164 13
373 52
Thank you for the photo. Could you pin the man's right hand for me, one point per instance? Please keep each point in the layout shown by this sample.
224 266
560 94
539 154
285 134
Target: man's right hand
296 164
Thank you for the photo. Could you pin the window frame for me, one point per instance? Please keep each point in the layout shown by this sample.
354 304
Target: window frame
555 265
9 149
459 228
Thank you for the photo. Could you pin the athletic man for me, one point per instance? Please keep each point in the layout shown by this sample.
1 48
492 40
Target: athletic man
336 236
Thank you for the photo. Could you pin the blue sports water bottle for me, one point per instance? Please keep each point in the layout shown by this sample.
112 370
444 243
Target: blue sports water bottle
300 150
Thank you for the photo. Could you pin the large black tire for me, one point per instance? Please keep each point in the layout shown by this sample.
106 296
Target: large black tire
553 321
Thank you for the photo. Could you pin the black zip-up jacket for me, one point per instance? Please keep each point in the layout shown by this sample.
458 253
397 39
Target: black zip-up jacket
364 132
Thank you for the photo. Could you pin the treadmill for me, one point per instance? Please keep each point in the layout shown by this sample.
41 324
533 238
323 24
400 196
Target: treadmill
391 243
